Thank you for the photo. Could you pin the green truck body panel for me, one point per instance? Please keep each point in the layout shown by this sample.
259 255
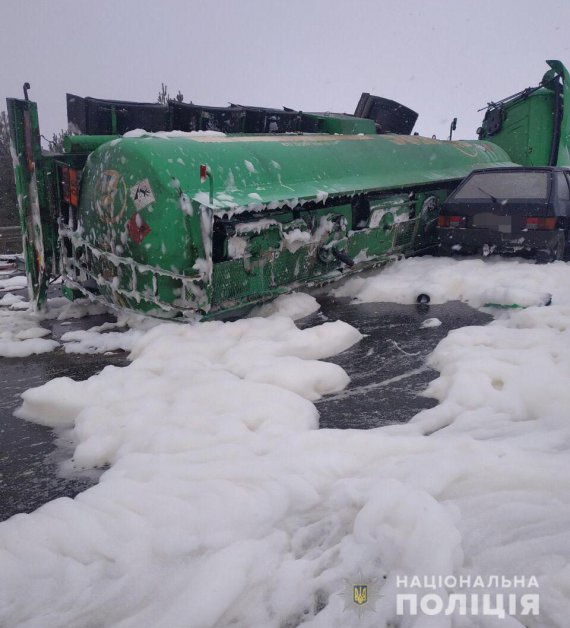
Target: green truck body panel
527 131
533 126
174 224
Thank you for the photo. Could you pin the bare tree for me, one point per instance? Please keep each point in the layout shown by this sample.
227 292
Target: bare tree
164 96
55 145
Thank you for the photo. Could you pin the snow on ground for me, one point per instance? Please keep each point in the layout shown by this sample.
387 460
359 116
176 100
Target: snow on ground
224 505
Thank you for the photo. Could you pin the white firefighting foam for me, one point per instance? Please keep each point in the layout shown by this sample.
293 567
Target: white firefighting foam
224 505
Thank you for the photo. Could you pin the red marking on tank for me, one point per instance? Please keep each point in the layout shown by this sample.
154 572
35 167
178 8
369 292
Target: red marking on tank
137 228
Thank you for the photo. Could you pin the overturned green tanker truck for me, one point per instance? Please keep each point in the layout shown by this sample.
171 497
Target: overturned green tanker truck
211 209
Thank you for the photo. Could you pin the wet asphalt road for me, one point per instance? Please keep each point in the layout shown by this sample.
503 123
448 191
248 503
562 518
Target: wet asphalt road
30 453
387 369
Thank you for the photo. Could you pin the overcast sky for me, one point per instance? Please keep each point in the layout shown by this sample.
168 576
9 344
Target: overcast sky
442 58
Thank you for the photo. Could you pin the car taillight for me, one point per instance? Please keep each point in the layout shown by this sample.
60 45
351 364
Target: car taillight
452 222
69 186
533 222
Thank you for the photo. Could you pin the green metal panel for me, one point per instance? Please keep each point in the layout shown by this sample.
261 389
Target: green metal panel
533 126
526 132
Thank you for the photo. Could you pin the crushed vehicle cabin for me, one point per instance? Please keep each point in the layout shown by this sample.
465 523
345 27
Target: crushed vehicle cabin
182 219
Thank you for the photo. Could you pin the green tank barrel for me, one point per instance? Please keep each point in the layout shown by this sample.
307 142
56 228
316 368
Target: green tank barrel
261 172
274 211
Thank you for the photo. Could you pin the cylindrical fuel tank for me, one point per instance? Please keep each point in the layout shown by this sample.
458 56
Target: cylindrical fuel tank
146 206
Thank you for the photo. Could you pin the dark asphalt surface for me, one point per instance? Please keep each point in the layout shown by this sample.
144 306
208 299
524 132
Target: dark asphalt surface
30 454
387 370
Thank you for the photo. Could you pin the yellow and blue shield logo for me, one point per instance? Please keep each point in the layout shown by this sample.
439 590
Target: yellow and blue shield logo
360 594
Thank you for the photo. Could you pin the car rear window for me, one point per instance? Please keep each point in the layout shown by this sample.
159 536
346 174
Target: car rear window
501 185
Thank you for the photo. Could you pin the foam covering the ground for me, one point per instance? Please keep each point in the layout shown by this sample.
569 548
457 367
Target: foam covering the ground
224 505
